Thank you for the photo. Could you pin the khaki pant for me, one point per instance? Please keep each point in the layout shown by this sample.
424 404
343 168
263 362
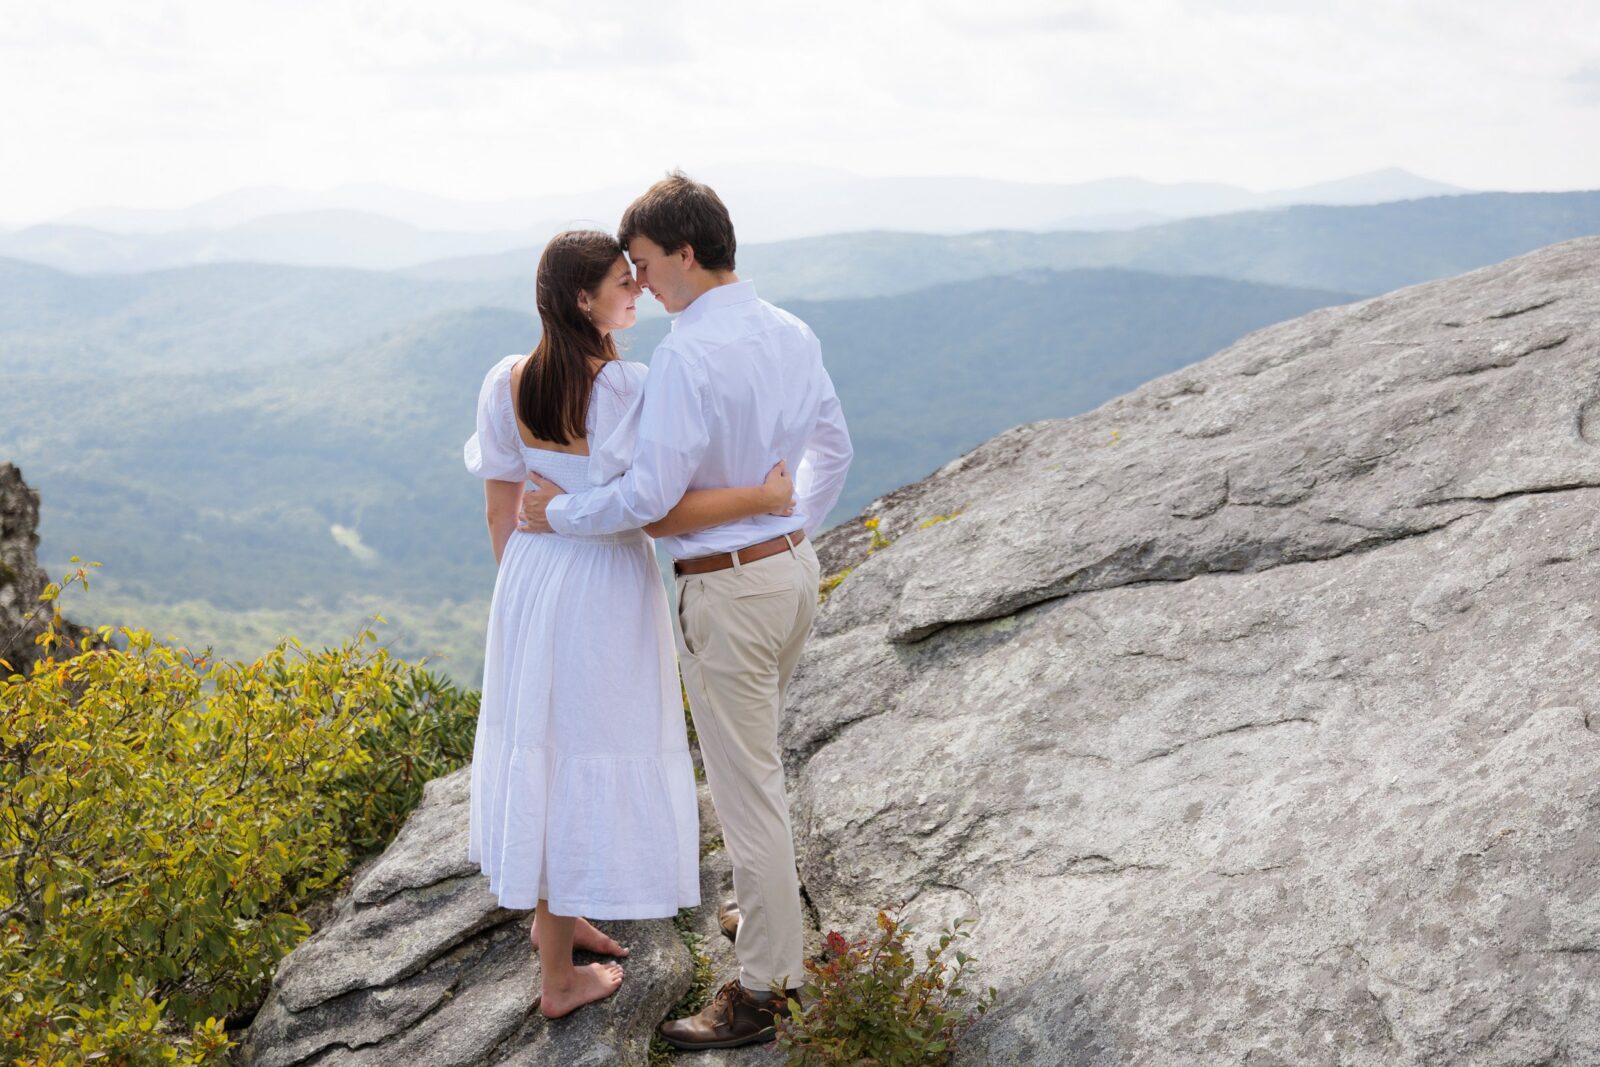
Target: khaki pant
740 633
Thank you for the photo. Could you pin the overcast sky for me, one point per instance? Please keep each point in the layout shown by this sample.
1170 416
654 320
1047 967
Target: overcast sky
162 104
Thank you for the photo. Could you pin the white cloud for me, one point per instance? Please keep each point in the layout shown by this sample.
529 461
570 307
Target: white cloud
1586 84
167 103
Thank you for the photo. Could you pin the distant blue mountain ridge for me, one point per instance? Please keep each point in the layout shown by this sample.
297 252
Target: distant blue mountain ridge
376 227
226 437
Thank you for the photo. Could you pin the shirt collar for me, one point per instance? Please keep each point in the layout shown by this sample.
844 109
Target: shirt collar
714 299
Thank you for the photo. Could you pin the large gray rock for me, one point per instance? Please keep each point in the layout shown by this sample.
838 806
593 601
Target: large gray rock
420 965
1250 715
21 579
1253 714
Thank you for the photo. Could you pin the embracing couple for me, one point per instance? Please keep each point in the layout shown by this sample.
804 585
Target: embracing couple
730 448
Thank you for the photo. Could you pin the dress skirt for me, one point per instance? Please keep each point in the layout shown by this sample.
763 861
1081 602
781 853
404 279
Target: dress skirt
582 785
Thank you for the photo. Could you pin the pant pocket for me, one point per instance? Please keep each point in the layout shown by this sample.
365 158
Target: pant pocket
688 589
758 594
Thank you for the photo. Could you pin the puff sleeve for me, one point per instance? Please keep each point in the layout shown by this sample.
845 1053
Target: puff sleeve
613 419
493 452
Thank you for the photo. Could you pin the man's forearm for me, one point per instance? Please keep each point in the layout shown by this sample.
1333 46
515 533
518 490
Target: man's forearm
819 500
605 509
826 461
821 478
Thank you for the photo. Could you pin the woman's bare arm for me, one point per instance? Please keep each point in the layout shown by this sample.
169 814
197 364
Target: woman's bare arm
700 508
501 500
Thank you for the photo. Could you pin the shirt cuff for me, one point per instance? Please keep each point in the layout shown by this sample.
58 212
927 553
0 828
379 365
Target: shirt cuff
555 513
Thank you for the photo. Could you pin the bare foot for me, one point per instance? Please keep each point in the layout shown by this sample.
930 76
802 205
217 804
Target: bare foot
589 983
586 937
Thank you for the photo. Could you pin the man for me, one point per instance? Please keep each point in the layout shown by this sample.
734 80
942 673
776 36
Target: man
736 386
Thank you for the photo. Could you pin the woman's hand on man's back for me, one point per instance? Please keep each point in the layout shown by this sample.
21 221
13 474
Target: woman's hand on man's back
779 489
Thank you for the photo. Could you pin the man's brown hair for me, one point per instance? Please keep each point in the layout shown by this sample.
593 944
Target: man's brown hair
678 211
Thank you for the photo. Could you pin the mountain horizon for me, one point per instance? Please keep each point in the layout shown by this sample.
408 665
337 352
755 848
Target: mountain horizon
1358 248
386 230
751 189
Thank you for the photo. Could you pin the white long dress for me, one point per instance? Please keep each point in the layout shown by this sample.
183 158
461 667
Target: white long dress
582 786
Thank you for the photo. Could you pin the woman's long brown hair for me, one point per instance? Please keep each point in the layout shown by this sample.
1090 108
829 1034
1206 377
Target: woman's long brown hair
553 397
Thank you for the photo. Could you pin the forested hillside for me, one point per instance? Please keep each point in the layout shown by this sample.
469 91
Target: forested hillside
243 470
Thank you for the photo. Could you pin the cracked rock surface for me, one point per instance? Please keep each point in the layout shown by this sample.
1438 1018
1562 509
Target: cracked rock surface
1253 715
422 966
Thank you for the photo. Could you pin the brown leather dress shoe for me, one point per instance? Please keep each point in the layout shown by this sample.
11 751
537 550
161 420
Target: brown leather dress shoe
734 1017
728 919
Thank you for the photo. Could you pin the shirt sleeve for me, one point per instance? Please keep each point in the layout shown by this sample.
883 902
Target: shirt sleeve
490 453
672 436
826 460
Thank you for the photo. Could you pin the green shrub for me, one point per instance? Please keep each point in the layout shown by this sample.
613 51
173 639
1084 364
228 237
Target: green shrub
163 818
427 733
869 1003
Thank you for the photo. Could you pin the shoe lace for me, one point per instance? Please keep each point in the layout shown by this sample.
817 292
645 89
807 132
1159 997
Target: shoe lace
722 1003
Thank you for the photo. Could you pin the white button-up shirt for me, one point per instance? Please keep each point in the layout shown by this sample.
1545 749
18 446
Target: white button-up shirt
736 386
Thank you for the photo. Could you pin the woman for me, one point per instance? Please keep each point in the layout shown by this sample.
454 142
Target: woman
583 797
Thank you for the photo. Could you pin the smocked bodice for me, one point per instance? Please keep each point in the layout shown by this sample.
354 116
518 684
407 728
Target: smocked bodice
497 452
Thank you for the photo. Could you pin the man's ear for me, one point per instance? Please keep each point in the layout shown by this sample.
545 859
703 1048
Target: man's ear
687 252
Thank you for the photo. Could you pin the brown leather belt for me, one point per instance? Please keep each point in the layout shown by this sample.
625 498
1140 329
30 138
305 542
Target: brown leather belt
723 560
